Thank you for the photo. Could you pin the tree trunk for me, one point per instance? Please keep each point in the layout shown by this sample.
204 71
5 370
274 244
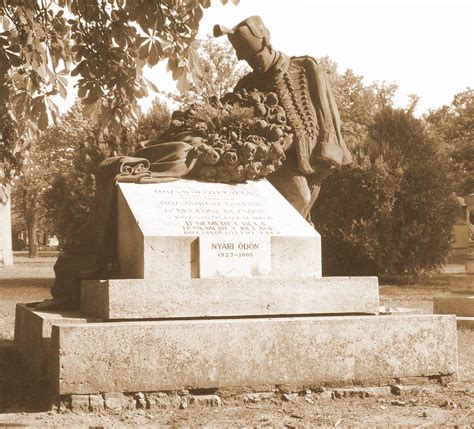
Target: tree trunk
6 254
32 228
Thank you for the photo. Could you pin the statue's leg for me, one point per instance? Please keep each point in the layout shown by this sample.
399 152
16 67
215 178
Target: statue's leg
289 181
69 269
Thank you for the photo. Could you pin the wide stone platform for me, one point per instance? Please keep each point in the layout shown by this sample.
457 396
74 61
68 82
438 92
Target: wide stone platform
219 353
33 336
228 297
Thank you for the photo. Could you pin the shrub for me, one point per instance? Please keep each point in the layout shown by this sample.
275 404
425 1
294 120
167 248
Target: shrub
393 210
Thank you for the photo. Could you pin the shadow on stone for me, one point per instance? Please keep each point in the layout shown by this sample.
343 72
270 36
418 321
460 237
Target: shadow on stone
18 390
22 281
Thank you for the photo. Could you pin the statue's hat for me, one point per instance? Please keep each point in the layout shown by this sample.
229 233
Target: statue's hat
253 23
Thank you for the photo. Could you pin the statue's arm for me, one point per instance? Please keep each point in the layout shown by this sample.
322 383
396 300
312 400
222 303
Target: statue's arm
326 108
247 82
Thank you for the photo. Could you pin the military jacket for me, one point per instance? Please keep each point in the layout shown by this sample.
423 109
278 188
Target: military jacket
305 94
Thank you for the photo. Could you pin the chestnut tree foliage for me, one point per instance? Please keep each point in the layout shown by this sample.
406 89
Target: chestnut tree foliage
105 44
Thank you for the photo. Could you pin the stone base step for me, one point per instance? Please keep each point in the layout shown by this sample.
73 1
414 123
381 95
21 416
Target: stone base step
170 355
458 305
465 322
228 297
33 335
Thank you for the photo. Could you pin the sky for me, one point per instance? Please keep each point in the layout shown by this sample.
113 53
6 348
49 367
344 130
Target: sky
426 47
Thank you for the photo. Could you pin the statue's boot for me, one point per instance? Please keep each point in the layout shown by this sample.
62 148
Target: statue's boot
333 154
56 304
70 269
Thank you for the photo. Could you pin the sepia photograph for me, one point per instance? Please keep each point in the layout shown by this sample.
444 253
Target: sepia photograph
236 213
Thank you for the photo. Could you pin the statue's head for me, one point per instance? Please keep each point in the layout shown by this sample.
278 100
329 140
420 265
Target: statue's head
251 41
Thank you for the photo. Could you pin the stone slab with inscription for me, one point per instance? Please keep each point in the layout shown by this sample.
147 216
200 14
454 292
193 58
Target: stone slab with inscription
188 229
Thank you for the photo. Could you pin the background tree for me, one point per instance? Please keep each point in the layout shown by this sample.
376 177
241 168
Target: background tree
71 188
154 122
220 71
27 198
454 126
72 179
357 102
52 153
392 211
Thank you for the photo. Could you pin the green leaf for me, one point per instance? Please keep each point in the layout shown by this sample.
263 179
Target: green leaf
155 54
152 86
43 118
62 86
144 50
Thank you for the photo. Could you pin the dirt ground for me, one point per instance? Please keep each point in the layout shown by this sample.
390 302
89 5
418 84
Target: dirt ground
429 405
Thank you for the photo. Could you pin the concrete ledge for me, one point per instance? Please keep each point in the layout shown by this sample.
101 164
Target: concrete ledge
33 336
458 305
200 354
159 299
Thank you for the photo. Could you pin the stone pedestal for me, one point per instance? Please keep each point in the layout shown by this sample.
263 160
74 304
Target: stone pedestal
231 297
222 289
469 199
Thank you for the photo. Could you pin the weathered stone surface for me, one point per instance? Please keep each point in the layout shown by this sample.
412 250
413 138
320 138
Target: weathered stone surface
79 403
33 335
117 401
162 401
140 400
361 392
147 299
410 381
159 226
289 397
207 400
398 311
459 305
96 402
199 354
258 396
402 390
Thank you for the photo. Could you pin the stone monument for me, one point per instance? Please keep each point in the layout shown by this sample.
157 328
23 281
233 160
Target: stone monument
220 285
461 303
223 289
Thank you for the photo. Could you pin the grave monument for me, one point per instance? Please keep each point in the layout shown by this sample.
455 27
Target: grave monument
219 284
